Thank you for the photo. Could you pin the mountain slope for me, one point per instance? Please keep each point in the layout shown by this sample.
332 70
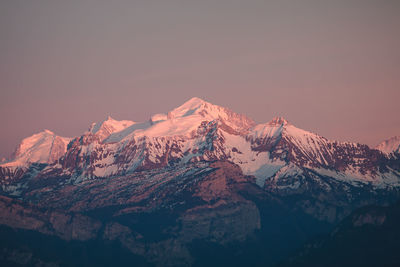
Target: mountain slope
169 216
284 159
198 130
392 145
197 184
44 147
368 237
109 126
31 155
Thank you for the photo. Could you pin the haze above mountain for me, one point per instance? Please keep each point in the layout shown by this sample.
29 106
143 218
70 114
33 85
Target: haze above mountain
327 67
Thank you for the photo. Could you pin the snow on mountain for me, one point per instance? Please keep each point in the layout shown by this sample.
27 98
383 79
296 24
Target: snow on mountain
43 147
389 146
187 133
272 129
204 111
284 141
109 126
183 160
183 121
252 162
158 117
200 131
300 143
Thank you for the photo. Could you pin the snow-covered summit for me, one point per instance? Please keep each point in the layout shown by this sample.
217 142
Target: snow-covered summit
46 131
184 121
200 131
194 105
43 147
197 106
277 127
392 145
109 126
205 111
278 121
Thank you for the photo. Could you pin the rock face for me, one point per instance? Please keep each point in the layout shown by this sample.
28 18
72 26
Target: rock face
198 176
67 226
149 214
368 237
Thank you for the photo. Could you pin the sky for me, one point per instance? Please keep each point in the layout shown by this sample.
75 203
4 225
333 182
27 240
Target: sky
331 67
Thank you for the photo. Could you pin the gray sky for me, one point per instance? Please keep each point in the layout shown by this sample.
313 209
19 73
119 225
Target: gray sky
332 67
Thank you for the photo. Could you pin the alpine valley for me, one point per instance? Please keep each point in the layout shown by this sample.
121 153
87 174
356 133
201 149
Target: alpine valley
198 186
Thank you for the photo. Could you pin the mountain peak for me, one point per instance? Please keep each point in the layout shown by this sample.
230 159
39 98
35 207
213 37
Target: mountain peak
189 107
199 110
389 146
43 147
195 100
47 132
277 121
104 128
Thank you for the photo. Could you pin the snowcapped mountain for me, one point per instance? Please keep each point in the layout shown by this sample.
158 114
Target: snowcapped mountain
44 147
109 126
200 131
210 174
191 132
389 146
41 148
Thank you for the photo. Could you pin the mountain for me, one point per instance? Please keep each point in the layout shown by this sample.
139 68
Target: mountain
198 130
390 146
196 181
44 147
367 237
284 159
170 216
109 126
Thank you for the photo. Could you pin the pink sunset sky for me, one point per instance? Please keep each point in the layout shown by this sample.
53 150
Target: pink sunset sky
331 67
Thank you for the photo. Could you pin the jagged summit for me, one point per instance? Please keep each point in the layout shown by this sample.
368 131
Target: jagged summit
109 126
274 128
46 131
391 145
278 121
197 106
109 118
193 102
184 121
110 123
186 109
193 112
